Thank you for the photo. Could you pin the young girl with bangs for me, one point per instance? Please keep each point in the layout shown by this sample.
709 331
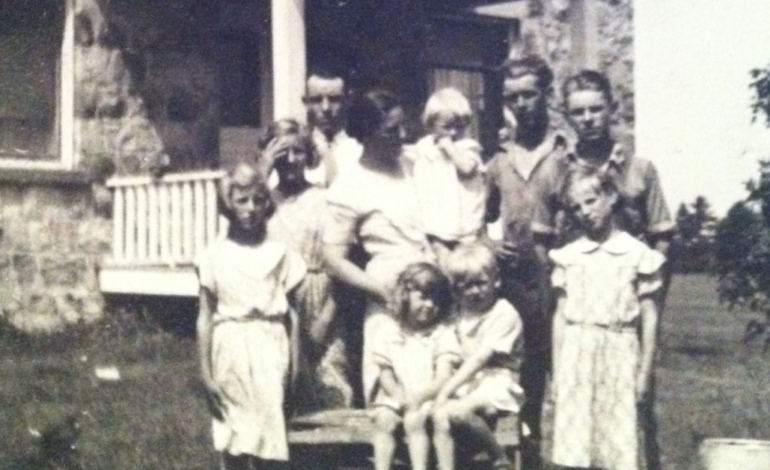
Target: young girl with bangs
247 331
605 330
411 365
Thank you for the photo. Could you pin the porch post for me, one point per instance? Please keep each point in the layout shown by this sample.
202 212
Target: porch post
288 58
585 33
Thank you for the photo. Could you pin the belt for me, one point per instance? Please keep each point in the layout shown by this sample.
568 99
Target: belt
614 327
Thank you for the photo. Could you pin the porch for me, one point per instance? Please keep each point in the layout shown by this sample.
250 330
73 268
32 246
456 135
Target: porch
160 226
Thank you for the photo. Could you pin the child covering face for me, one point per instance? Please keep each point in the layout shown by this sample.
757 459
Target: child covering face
448 173
412 367
604 331
246 328
484 342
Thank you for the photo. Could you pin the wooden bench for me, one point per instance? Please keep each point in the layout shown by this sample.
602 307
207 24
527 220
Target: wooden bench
341 439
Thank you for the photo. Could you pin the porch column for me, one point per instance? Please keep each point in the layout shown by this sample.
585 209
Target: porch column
288 58
585 33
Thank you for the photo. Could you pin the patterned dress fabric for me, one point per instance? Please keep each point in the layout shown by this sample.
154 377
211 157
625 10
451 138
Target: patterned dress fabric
596 361
323 381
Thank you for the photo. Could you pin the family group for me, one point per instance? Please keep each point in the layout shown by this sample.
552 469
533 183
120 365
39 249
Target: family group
357 267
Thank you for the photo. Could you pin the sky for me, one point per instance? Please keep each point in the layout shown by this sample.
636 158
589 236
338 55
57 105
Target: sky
692 64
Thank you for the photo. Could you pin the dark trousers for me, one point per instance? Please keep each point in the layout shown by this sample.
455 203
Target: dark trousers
536 364
649 426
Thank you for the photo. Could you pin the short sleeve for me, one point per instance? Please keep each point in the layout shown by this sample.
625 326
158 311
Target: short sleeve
546 186
205 266
503 328
650 278
658 216
559 273
382 352
293 270
343 211
339 225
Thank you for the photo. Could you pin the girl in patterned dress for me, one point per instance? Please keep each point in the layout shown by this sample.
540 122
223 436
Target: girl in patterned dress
246 327
484 341
300 208
604 331
411 365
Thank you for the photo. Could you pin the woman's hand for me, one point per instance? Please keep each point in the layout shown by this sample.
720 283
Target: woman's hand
269 155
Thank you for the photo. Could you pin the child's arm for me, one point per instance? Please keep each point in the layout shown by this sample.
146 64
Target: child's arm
204 327
294 336
558 330
390 385
465 158
465 372
444 369
648 346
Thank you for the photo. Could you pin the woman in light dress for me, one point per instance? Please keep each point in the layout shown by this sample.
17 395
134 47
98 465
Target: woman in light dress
323 381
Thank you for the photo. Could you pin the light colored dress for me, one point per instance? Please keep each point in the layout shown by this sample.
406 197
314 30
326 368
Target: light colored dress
595 364
413 356
378 211
323 382
451 208
250 351
500 328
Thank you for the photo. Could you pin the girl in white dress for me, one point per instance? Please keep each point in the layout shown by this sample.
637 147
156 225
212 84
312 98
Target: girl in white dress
411 365
604 331
247 328
484 341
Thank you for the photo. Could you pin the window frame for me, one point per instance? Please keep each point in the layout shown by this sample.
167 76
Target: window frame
65 124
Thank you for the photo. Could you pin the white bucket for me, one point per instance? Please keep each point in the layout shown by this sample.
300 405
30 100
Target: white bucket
735 454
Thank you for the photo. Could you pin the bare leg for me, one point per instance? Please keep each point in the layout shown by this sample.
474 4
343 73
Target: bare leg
442 439
467 412
386 422
417 437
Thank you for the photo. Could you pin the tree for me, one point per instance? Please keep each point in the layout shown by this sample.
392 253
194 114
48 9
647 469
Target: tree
760 85
742 239
693 247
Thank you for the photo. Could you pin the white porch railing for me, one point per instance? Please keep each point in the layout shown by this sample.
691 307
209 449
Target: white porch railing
166 221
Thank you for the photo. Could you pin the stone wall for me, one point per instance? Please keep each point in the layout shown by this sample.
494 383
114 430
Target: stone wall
146 90
550 32
50 245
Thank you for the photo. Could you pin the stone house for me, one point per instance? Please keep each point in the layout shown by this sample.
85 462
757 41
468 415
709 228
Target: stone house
126 89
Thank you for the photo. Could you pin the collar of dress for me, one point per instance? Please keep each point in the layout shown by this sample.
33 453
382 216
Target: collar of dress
619 243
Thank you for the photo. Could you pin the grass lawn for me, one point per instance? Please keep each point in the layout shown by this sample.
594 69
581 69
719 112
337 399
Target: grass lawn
709 385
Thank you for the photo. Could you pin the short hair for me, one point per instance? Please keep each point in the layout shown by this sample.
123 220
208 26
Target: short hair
446 100
326 73
600 181
291 128
588 80
367 112
468 261
242 175
529 65
428 279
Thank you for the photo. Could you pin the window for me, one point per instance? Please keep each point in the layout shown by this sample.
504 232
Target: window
35 67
